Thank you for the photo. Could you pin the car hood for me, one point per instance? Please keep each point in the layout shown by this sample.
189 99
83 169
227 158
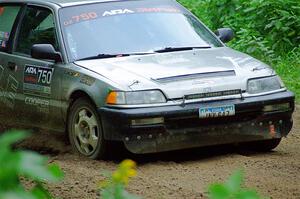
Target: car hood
181 73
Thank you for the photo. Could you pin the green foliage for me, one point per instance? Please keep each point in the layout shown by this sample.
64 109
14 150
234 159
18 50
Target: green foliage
288 68
232 189
264 28
114 186
28 165
199 8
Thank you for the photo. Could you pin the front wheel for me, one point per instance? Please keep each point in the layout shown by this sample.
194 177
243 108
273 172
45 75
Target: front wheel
85 130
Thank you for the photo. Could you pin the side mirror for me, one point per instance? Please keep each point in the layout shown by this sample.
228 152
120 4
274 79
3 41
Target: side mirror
45 51
225 34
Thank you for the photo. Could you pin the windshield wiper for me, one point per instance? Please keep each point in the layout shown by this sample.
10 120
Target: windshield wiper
163 50
104 56
173 49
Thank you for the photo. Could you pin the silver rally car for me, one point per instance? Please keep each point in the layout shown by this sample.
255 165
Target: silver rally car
146 73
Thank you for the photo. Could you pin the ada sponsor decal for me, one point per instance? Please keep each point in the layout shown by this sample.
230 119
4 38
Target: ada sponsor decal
117 12
37 80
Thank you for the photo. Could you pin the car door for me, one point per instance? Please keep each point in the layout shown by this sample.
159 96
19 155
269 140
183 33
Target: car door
9 85
39 103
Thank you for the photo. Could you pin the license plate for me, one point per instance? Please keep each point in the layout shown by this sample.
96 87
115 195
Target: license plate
219 111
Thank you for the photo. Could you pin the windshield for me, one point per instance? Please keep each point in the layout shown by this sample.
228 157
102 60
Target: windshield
131 27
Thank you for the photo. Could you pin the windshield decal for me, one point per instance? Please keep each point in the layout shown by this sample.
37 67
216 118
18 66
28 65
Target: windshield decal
168 10
86 16
81 17
117 12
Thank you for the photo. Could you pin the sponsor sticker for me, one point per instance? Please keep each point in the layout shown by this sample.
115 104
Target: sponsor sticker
272 131
4 35
8 93
72 73
117 12
37 80
42 105
1 10
158 9
3 43
87 80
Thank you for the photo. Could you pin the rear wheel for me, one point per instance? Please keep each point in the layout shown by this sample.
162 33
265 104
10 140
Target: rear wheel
85 130
264 145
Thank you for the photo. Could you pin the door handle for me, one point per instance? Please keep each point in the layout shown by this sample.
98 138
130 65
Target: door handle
12 66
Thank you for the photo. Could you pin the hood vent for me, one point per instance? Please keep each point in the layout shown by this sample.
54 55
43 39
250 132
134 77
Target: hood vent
196 76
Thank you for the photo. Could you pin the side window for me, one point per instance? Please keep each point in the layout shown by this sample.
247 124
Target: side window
8 15
37 28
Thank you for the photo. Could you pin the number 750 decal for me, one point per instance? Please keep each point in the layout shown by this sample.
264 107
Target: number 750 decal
38 75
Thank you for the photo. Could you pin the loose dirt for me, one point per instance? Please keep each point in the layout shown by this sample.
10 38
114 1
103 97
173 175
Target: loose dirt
180 174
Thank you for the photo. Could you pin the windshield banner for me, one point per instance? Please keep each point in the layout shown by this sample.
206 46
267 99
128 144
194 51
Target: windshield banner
79 14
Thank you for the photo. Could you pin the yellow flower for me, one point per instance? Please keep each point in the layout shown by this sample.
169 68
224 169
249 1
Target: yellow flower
132 173
117 176
128 164
125 171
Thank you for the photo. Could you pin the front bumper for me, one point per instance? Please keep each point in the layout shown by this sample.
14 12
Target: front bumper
182 127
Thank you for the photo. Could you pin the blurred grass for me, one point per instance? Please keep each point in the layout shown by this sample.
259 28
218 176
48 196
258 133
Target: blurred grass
289 71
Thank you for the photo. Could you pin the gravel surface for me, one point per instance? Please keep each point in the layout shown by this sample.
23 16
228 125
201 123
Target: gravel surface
180 174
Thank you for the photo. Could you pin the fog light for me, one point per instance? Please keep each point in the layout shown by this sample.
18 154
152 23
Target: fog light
277 107
147 121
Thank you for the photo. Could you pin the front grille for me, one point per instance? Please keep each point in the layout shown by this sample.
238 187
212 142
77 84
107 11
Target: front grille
213 94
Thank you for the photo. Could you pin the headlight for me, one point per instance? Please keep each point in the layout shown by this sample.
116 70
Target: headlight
265 84
135 97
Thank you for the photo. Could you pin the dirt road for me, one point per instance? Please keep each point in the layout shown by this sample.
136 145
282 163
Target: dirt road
184 174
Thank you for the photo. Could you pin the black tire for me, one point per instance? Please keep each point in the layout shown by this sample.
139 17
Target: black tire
264 145
85 130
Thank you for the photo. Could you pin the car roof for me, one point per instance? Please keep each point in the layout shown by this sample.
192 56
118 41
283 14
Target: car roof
61 3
